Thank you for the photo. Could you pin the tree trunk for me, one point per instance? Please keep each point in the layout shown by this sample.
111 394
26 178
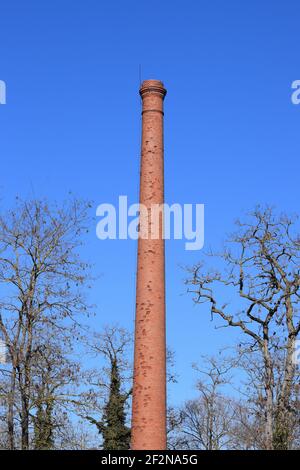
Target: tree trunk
25 425
269 383
283 422
10 411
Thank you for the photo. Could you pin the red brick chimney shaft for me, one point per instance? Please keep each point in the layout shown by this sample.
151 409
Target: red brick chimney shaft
149 384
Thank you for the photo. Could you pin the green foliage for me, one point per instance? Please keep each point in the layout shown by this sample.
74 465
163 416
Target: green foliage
43 427
115 433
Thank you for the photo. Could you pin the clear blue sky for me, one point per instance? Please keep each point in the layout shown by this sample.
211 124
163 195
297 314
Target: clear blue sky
72 122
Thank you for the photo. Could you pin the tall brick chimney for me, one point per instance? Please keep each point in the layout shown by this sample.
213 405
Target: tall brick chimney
149 383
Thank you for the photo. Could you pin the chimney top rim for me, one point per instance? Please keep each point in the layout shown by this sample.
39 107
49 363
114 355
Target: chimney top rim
152 86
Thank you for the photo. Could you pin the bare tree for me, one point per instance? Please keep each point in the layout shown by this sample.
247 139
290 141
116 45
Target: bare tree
206 422
74 435
262 268
174 435
251 409
41 277
57 381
